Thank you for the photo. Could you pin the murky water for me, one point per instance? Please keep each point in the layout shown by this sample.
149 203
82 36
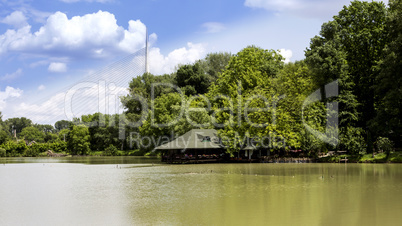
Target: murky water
140 191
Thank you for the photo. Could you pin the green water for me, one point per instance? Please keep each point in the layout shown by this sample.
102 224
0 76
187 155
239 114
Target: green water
140 191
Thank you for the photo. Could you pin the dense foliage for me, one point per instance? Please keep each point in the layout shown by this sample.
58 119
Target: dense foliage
351 76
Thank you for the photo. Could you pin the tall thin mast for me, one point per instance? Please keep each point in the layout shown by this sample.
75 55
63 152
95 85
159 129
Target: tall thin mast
146 52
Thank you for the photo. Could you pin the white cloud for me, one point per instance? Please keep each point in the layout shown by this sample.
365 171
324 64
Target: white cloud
39 63
159 64
134 37
47 112
63 106
213 27
16 19
57 67
8 93
91 35
115 78
100 91
287 54
274 4
12 76
41 87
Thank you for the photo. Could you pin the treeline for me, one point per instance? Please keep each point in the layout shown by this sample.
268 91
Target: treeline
95 134
345 95
355 63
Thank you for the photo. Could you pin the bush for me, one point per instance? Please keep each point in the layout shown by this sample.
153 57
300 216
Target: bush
60 146
15 149
397 158
31 152
384 144
111 150
3 152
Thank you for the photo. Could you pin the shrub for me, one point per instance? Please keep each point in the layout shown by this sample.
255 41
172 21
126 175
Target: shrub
111 150
3 152
31 152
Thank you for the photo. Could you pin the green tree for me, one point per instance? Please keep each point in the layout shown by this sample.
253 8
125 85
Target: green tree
137 102
15 149
3 152
51 137
62 124
173 114
17 124
384 144
388 120
103 129
78 140
347 49
215 63
192 79
361 29
45 128
63 134
249 76
3 136
32 134
111 150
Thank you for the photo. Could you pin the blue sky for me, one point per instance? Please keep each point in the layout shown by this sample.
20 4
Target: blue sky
48 47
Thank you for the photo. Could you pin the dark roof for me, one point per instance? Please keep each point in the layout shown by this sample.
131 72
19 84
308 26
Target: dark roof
194 139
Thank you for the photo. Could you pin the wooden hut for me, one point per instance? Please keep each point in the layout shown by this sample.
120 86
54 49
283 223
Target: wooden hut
197 145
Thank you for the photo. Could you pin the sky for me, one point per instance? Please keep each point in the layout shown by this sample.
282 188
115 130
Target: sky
63 58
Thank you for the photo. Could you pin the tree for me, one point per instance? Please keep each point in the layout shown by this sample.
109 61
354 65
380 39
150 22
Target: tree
3 136
295 83
103 129
78 140
62 124
137 102
63 134
215 63
32 134
363 34
44 128
347 49
17 124
193 79
384 144
178 114
250 73
15 149
388 120
51 137
111 150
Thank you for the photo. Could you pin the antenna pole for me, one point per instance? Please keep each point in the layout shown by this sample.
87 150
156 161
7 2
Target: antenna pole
146 51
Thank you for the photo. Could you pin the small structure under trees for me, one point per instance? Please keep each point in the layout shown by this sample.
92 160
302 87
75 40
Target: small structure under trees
197 145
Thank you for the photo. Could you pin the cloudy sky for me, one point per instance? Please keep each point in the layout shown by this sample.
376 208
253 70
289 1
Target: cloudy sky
54 51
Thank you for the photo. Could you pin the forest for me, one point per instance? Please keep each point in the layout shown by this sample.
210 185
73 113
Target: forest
345 95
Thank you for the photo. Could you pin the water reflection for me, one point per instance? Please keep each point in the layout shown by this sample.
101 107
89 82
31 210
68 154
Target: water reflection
218 194
85 160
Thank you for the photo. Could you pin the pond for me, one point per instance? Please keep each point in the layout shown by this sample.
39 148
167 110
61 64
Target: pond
141 191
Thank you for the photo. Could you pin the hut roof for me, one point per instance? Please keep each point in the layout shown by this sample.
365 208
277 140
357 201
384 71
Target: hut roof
194 139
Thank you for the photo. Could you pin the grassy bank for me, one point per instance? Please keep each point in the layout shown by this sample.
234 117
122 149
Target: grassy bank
394 157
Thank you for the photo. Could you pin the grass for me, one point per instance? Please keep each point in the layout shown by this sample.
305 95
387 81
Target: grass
378 158
394 157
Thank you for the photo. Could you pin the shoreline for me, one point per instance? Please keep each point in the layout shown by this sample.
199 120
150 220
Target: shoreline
380 158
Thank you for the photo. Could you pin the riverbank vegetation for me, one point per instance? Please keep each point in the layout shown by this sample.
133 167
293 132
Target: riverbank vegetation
351 76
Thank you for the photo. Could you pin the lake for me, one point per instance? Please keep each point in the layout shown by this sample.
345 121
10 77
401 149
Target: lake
141 191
